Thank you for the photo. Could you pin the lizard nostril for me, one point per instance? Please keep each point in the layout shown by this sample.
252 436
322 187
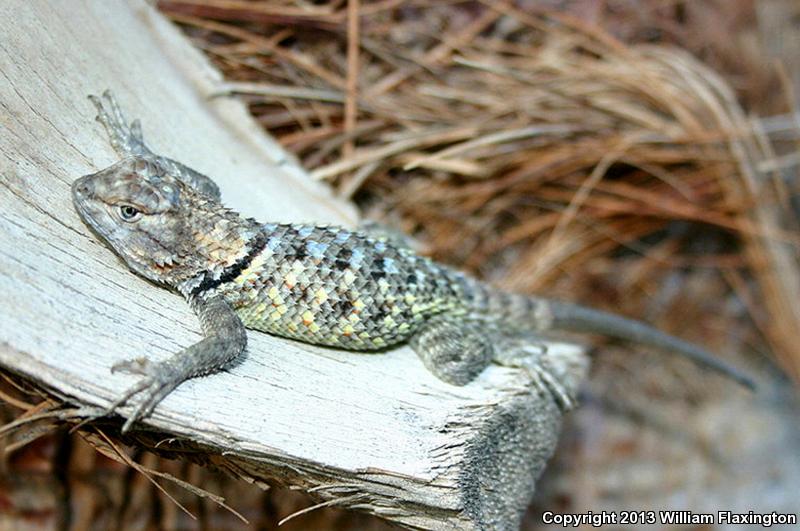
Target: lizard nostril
81 187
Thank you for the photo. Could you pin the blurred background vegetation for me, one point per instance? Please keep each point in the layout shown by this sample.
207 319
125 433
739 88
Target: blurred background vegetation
638 156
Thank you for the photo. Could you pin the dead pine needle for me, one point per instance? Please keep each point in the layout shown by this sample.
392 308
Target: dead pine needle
336 501
104 444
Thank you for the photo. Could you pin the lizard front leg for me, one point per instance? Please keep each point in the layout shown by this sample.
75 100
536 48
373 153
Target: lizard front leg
128 141
225 340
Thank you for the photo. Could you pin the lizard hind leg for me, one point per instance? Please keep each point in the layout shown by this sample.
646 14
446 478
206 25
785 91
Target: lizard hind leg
455 350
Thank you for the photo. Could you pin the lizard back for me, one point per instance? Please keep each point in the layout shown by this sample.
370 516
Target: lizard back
332 286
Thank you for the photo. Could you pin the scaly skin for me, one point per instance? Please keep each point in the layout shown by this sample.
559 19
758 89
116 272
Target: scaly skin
323 285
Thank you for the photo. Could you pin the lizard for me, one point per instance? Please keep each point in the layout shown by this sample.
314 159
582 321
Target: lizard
320 284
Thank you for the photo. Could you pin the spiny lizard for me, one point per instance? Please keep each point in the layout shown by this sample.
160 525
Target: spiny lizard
324 285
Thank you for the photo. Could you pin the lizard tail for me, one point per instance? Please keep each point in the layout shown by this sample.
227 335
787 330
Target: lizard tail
545 314
575 318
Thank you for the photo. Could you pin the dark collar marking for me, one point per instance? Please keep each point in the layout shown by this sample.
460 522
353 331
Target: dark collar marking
208 283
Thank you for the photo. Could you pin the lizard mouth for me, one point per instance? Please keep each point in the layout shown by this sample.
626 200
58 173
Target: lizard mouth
81 193
83 199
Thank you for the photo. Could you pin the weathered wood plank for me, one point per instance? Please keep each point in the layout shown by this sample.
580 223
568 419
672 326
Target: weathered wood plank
377 432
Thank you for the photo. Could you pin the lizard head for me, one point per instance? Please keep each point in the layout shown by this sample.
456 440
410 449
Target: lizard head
147 216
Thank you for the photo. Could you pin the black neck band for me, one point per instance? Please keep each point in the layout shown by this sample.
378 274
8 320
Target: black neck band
256 245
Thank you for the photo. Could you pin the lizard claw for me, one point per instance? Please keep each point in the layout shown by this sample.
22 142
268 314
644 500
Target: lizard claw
543 374
112 409
127 140
155 385
141 366
531 356
154 391
532 359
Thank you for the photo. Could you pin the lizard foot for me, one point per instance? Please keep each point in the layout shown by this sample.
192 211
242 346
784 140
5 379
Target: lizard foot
156 383
530 355
127 140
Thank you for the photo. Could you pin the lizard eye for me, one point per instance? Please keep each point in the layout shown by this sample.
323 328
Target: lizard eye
129 213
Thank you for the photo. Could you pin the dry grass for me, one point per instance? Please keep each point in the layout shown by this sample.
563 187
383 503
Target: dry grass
529 146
